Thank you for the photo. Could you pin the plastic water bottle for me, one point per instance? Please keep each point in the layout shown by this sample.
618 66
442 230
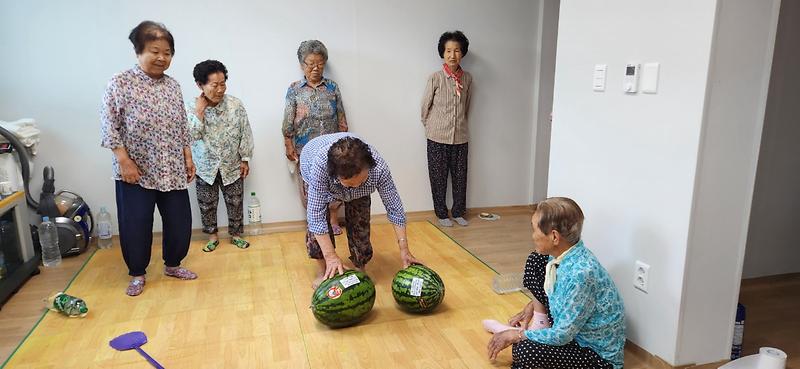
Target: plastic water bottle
104 229
48 238
738 333
254 214
70 306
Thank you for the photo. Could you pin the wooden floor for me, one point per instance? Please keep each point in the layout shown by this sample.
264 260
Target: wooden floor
503 245
250 309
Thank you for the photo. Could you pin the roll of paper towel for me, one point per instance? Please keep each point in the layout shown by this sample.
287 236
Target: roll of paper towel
767 358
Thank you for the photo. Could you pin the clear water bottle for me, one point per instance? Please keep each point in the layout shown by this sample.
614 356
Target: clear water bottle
48 238
70 306
104 229
254 214
738 333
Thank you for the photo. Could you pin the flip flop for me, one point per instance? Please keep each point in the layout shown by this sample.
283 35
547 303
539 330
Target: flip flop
211 246
488 216
240 243
337 230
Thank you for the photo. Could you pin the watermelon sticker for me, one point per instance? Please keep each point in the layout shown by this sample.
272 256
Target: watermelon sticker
334 292
350 280
416 286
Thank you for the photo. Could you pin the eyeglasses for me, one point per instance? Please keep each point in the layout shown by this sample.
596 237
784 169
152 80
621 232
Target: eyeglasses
314 65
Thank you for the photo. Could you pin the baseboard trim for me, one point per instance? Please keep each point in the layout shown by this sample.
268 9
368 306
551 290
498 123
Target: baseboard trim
412 216
655 362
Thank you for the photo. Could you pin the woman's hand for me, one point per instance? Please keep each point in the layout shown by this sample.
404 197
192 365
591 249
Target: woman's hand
190 169
291 152
201 103
129 170
502 340
333 264
407 258
523 318
244 169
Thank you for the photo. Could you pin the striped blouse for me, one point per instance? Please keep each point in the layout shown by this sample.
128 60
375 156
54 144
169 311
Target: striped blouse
444 114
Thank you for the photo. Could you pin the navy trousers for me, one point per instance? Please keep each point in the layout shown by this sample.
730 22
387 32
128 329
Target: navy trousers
135 207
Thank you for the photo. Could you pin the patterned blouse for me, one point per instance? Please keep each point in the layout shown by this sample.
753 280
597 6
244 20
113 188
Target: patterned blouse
585 306
444 114
147 118
311 111
322 189
223 140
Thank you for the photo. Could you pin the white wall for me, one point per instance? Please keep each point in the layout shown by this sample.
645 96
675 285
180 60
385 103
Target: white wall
726 169
629 160
776 201
59 56
645 167
546 52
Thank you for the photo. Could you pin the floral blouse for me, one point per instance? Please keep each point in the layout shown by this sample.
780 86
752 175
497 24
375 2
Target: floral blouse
313 111
147 118
223 140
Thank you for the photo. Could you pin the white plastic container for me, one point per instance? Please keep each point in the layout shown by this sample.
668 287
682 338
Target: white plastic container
48 238
254 214
104 229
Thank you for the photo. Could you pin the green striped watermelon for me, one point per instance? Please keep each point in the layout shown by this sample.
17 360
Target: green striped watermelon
417 289
343 300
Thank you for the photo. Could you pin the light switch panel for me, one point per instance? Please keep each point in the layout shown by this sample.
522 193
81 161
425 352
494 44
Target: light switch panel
649 82
599 78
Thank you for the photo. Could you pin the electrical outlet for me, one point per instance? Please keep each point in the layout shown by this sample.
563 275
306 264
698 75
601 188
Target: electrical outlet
641 275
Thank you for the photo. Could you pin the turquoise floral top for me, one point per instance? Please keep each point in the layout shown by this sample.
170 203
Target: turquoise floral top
222 141
586 307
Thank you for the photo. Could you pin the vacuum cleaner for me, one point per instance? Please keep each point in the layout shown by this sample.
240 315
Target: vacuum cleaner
69 212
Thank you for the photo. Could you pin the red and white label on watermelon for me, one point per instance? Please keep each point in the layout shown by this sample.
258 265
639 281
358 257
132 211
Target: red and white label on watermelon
349 280
416 286
334 292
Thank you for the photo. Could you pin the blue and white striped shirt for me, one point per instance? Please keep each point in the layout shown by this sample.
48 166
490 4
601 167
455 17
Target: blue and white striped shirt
322 189
585 306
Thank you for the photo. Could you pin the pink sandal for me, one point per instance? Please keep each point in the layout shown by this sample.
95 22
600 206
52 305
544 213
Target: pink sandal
135 288
180 273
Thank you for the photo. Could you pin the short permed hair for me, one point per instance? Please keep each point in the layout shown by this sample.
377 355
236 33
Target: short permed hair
206 68
311 47
456 36
150 31
561 214
348 157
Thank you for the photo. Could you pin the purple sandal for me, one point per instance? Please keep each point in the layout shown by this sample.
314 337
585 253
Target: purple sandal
135 288
180 273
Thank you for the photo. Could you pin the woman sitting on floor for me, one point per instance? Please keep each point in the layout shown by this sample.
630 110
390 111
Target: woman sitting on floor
588 318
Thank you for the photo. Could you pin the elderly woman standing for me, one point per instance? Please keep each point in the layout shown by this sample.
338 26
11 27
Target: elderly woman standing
144 125
445 108
222 149
588 329
313 108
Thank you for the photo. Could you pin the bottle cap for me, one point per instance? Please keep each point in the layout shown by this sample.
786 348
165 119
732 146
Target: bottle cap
45 219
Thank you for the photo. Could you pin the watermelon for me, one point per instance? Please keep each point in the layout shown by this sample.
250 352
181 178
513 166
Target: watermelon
417 289
343 300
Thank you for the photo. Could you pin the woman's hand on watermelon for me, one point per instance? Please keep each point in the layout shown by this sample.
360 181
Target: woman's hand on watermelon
407 258
333 264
